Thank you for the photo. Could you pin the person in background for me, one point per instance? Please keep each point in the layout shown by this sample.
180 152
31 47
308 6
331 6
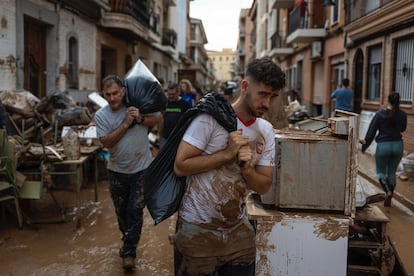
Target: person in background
343 96
123 131
389 123
188 93
213 233
176 107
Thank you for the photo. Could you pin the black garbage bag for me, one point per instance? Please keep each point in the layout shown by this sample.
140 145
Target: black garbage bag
163 189
73 116
57 100
143 90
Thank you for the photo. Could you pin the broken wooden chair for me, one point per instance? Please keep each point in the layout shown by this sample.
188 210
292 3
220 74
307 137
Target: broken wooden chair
8 188
17 187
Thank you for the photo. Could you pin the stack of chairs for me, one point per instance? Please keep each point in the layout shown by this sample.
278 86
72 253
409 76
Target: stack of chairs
13 188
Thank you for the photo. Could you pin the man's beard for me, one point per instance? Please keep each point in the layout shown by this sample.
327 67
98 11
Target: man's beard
251 110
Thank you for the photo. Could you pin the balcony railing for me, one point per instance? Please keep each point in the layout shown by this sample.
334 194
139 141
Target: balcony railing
276 41
297 20
136 9
306 26
359 8
279 46
169 37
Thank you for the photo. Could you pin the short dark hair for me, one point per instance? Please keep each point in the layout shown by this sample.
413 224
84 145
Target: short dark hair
108 80
345 82
173 85
264 70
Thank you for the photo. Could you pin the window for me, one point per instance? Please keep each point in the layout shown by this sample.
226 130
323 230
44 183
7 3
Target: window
374 72
335 11
339 74
193 54
291 78
73 63
193 32
403 70
372 5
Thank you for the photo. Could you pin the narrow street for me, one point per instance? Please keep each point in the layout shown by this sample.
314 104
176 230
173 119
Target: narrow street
61 249
401 213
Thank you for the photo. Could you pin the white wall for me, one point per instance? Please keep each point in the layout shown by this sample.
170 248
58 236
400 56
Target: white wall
86 34
181 11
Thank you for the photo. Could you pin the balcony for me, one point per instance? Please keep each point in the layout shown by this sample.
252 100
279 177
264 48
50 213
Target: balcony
169 37
128 18
279 47
283 4
388 15
359 8
299 32
89 8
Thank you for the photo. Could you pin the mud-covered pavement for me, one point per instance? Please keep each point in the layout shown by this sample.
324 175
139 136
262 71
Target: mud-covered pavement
62 249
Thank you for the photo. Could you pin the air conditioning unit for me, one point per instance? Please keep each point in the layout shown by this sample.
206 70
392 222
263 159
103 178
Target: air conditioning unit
316 49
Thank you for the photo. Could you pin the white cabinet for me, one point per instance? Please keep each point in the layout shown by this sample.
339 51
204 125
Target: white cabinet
299 243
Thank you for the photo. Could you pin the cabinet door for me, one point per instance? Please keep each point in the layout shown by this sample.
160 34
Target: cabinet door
297 245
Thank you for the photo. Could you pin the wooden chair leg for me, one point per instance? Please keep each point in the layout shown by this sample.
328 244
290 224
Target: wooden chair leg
18 212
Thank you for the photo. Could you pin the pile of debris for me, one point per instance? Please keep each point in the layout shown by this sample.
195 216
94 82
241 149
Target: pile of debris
34 125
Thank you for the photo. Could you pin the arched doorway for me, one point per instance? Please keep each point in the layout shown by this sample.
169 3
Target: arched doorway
358 80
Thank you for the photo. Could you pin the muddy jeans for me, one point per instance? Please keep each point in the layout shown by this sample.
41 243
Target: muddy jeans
203 251
127 193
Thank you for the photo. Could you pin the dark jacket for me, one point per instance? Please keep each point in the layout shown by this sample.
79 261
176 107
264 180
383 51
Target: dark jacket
381 124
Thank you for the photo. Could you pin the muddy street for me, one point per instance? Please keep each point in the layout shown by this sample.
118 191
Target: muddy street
61 249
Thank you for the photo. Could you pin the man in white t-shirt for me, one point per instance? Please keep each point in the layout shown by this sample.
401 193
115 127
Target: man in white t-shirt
213 233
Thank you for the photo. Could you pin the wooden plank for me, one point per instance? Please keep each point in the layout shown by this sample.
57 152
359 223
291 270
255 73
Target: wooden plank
361 268
371 213
364 244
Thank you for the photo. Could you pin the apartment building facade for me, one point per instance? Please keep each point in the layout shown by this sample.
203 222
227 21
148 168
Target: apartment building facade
380 54
244 43
195 66
224 64
320 42
50 45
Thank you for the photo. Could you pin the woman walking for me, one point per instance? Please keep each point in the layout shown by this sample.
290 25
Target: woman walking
389 123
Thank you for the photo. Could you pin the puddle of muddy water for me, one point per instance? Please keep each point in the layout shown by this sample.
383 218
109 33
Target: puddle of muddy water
62 249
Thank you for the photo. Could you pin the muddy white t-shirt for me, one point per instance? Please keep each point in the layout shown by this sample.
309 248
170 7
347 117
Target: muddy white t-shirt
216 198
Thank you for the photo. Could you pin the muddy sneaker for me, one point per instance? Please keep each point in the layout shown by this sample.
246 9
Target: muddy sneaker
128 263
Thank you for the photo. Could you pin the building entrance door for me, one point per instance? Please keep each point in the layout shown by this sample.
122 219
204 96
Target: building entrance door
35 57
